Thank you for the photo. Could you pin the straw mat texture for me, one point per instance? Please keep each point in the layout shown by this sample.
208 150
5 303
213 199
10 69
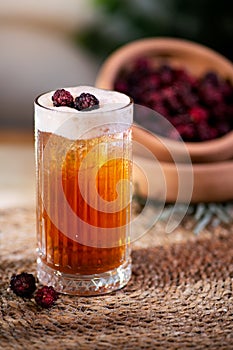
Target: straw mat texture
180 295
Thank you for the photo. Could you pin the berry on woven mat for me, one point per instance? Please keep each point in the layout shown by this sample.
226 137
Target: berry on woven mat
46 297
23 284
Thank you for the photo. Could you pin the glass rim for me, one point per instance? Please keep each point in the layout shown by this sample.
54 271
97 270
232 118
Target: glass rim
94 111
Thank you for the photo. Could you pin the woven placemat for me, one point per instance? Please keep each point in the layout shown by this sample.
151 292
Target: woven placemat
180 295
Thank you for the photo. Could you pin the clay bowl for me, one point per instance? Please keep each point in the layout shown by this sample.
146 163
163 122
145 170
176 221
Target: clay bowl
206 174
197 59
184 183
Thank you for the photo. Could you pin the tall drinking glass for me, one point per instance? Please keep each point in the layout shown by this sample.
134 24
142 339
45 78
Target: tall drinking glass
84 175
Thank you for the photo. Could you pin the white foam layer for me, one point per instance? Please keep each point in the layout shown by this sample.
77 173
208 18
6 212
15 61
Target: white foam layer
114 108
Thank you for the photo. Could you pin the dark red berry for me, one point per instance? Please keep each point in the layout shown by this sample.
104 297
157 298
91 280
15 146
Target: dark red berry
23 285
121 86
46 297
187 132
223 128
85 101
185 94
184 77
181 119
161 109
166 75
212 78
227 90
198 114
200 108
62 97
152 81
141 65
209 94
152 98
170 99
206 132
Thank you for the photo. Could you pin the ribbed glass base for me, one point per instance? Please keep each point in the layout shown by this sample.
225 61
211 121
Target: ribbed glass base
77 284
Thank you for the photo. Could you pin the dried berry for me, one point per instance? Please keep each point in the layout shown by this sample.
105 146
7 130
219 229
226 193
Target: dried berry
121 85
46 297
62 97
181 119
200 108
85 101
183 77
198 114
210 95
212 78
23 285
152 81
206 132
187 132
170 99
166 75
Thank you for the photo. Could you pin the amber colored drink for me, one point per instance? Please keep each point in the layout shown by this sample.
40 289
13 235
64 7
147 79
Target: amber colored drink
64 253
83 202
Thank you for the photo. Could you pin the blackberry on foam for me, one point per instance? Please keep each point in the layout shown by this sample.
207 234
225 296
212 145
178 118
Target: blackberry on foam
115 109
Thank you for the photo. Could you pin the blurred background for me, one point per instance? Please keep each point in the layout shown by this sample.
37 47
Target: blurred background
49 44
39 54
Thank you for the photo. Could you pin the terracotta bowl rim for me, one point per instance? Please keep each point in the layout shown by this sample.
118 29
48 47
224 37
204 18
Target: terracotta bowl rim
209 184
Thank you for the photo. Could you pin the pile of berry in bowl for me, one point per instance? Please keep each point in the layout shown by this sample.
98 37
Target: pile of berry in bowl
189 85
